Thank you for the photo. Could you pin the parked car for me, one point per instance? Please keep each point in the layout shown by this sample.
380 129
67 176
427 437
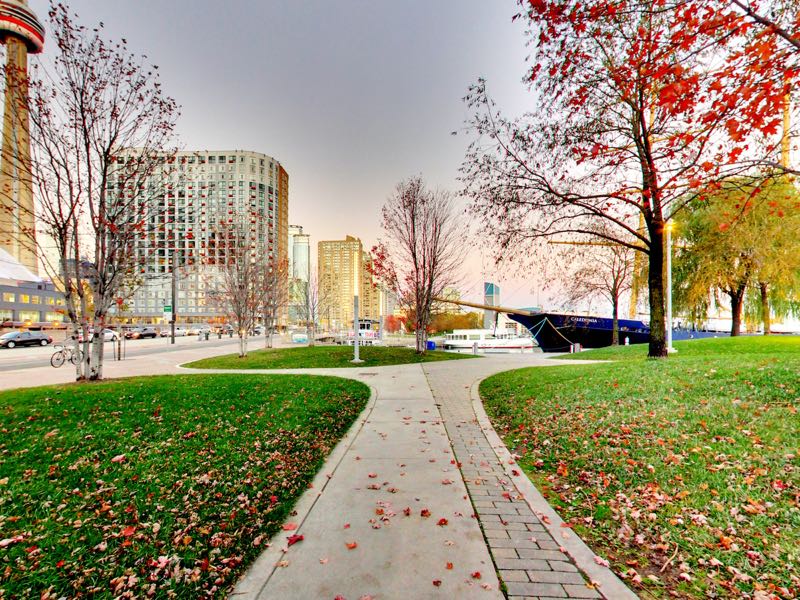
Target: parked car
140 333
258 330
199 330
179 332
109 335
24 338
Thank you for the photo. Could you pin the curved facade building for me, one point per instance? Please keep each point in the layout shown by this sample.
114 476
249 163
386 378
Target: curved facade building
21 33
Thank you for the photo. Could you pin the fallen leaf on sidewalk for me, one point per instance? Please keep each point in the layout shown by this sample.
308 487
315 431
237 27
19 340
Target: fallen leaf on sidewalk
442 522
601 561
323 561
351 545
293 539
290 526
437 582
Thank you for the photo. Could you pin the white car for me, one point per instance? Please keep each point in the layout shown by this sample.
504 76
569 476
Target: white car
109 335
179 332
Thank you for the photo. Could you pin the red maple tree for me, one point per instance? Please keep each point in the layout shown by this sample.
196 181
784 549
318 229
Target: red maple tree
643 106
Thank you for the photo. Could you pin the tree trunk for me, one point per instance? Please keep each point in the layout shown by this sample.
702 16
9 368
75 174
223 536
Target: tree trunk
310 333
76 347
268 332
736 297
96 361
615 325
655 280
764 288
242 349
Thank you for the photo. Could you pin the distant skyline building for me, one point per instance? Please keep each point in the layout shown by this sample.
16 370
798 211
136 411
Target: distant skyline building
491 297
197 193
343 265
21 33
299 246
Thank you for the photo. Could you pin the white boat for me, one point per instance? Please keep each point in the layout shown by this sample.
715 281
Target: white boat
487 340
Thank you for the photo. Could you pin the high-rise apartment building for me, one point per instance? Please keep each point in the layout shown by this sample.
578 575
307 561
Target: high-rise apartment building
196 194
343 267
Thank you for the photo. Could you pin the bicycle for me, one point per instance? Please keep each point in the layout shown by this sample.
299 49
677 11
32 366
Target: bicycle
65 353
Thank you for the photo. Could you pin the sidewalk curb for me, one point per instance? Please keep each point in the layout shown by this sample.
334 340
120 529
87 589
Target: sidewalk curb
255 579
609 586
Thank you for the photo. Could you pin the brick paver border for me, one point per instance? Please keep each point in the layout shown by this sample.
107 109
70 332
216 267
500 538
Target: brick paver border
535 557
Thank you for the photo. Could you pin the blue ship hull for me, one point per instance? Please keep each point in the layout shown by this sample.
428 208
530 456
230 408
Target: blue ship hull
557 332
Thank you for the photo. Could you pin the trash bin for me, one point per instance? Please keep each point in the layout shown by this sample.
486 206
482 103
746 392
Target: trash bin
230 333
207 334
429 345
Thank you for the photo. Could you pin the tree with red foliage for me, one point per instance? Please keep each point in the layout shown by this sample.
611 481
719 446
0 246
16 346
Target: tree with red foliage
643 107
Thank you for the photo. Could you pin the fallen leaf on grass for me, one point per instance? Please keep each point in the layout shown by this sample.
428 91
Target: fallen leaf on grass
12 540
118 458
129 531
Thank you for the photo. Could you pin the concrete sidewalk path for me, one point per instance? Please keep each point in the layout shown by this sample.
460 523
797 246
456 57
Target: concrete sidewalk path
422 500
393 519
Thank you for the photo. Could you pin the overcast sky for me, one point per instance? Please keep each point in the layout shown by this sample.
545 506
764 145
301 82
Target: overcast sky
351 96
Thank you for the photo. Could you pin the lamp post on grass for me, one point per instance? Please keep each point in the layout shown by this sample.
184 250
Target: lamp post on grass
356 358
668 229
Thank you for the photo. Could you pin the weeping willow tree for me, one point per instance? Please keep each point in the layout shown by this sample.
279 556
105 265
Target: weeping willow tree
741 243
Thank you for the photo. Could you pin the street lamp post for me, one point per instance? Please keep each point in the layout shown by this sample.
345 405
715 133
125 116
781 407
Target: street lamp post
174 297
668 229
356 358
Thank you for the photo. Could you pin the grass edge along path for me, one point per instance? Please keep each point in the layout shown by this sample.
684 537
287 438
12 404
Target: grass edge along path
323 357
684 473
157 486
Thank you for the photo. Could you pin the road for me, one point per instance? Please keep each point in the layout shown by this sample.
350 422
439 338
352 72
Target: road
25 367
36 356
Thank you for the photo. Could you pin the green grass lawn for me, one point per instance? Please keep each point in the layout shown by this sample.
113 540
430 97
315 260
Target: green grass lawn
323 357
159 486
684 473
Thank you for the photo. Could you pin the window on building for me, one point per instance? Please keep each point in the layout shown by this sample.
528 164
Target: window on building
9 297
24 298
